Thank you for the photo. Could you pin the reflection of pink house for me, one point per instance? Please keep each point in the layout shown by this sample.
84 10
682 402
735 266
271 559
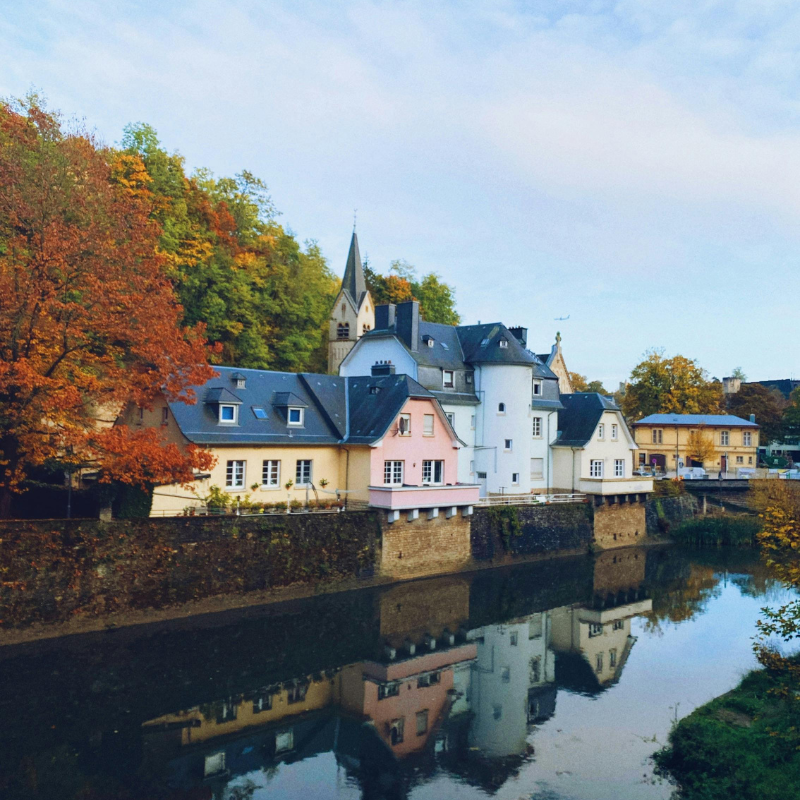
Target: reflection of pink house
412 460
405 700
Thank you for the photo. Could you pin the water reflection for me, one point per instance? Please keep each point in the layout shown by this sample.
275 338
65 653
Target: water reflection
440 679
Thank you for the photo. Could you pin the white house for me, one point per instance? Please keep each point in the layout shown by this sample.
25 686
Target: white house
500 398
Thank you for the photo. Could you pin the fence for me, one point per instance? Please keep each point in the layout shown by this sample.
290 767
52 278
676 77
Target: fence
530 499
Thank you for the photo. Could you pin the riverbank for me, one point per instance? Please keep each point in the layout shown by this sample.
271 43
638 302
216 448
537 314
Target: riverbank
741 745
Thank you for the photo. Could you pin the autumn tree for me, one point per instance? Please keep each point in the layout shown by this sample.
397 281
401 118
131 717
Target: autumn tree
581 384
88 318
699 446
768 406
676 385
791 418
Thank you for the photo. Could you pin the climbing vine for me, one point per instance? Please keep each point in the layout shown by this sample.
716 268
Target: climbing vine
506 518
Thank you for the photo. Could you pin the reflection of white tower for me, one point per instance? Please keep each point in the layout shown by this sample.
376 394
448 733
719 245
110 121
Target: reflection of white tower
514 663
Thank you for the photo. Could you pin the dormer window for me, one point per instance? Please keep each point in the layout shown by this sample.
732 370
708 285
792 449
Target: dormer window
503 343
239 380
448 380
468 378
228 414
428 340
374 389
537 388
295 416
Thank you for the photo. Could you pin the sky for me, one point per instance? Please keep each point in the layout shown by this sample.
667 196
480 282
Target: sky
632 165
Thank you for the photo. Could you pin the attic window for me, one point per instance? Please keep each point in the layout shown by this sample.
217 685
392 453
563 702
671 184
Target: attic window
295 416
484 342
374 389
259 413
444 345
468 377
503 343
240 381
227 414
429 340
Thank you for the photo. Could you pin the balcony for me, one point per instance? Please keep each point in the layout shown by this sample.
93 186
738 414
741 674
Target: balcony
407 498
609 486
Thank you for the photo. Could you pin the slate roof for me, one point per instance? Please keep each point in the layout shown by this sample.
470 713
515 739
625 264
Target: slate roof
481 345
724 420
354 282
578 421
784 385
323 397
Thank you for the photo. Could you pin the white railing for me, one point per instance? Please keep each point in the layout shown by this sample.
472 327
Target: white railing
530 499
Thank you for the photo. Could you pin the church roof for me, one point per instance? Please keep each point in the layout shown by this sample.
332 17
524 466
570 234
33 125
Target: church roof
354 282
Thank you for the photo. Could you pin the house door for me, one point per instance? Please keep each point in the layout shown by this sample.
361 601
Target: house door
482 484
658 460
723 463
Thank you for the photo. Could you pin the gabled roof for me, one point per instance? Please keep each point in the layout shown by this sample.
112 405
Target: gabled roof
373 403
578 421
725 420
481 345
220 394
354 282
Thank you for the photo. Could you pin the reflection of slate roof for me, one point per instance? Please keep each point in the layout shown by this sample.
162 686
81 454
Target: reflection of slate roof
578 421
727 420
374 403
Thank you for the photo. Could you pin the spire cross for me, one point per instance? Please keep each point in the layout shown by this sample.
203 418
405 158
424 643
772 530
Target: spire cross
355 213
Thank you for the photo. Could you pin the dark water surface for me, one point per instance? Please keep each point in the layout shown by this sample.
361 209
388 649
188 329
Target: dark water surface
550 680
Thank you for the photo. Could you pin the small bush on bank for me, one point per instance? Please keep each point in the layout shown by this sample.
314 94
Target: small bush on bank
730 530
668 488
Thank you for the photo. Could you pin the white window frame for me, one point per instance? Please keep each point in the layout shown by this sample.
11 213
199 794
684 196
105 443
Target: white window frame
747 438
537 427
503 343
297 423
614 432
428 419
404 425
725 438
515 478
235 474
429 470
451 418
508 445
448 382
619 467
596 468
303 477
271 470
537 475
472 422
234 409
658 436
537 388
393 473
601 431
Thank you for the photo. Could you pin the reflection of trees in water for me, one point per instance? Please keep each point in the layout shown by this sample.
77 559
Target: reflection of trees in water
682 599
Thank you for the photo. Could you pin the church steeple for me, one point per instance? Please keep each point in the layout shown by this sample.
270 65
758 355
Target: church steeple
354 282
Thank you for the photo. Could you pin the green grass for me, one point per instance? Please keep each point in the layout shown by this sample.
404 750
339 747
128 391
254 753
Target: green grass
737 531
728 749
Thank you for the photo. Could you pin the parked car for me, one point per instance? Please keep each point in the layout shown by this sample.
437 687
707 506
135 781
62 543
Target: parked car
693 474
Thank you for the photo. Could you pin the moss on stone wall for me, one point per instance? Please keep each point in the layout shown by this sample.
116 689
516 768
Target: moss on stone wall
52 571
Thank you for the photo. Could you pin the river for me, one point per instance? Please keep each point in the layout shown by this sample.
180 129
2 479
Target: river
547 681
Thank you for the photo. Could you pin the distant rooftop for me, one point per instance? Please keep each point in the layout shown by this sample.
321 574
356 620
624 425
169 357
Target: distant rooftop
718 420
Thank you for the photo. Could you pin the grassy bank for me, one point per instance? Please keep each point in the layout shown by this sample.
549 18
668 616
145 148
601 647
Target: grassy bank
736 531
740 745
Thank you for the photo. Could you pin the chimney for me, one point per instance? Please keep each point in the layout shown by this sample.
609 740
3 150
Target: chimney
385 317
520 334
752 418
407 325
383 368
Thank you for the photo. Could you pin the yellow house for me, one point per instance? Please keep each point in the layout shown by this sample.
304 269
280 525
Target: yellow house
664 441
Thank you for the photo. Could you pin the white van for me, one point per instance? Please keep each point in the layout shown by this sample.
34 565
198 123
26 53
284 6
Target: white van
692 474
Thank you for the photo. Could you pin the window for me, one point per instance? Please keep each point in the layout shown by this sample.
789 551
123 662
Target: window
262 702
537 427
612 658
724 438
747 439
505 674
501 408
393 473
259 413
515 478
343 330
468 378
140 420
535 665
595 629
296 416
227 712
433 472
497 711
513 638
740 459
503 344
481 476
427 425
284 740
429 341
445 346
165 415
428 680
227 414
297 693
471 467
422 722
241 383
451 418
598 662
404 425
749 459
271 473
595 468
344 308
508 444
658 436
537 468
302 472
601 431
619 467
396 728
388 690
472 422
619 624
614 432
214 764
537 388
447 379
234 475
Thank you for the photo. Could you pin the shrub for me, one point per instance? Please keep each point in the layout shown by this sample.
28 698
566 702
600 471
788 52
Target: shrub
736 531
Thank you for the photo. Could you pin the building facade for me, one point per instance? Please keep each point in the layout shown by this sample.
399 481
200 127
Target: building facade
664 441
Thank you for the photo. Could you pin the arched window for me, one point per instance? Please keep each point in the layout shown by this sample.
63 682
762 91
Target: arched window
501 408
343 330
365 328
344 308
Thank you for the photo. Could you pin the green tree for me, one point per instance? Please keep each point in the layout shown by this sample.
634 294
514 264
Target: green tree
791 418
767 404
581 384
674 385
738 372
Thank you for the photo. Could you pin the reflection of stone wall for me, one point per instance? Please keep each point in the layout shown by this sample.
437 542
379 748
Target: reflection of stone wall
409 611
619 524
619 571
425 546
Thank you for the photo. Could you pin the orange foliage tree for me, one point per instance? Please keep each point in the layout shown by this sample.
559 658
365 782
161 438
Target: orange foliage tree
88 318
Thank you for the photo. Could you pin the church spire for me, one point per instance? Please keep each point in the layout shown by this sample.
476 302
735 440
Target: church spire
354 282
